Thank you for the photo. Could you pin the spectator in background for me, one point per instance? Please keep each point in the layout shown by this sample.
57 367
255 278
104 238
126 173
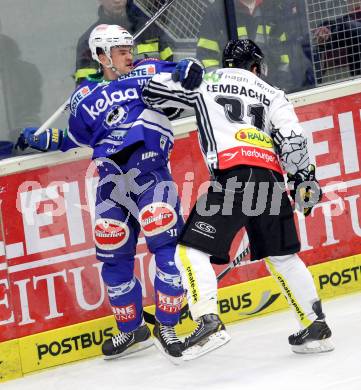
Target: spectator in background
20 93
343 33
275 25
151 43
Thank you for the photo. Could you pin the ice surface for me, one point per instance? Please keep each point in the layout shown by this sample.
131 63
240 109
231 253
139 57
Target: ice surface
257 357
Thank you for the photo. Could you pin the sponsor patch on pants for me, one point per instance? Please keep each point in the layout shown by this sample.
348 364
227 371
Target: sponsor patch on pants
169 303
157 218
110 234
125 313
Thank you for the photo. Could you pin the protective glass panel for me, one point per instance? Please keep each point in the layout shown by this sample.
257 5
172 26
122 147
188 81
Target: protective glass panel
44 52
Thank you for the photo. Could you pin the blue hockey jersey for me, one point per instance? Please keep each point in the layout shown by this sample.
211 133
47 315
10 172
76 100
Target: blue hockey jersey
110 116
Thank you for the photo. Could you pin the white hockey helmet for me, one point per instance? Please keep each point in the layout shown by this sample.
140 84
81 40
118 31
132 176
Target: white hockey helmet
106 36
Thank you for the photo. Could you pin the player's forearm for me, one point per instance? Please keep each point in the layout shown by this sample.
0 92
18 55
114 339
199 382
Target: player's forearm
162 92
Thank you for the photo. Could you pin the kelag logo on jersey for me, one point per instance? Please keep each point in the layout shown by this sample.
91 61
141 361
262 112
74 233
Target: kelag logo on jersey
254 137
109 98
140 71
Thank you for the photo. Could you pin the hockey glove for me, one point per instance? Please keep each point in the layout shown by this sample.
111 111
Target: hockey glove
305 190
50 139
189 72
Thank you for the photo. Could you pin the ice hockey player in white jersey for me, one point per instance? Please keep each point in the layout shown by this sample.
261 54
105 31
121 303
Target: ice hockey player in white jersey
249 135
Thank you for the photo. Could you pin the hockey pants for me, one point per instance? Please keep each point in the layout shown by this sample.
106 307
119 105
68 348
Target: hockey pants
126 205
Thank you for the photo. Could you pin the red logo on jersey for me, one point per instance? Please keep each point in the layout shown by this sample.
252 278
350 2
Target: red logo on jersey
249 156
151 69
157 218
254 137
169 303
110 234
85 90
125 313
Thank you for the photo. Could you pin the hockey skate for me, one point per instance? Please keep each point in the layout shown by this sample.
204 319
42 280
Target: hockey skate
315 338
166 340
124 344
209 334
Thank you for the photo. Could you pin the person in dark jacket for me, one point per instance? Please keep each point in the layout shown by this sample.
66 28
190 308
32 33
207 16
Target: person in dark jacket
343 33
276 26
151 43
20 93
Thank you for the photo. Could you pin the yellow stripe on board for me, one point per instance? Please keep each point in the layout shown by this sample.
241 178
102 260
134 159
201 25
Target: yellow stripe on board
64 345
10 362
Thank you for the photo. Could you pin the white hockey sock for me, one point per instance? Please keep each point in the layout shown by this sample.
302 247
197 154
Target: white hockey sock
198 279
296 284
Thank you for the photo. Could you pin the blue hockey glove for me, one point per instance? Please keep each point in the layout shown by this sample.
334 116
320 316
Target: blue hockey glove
189 72
50 139
305 190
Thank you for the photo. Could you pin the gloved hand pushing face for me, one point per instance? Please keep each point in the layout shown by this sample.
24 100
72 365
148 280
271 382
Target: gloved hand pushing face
189 72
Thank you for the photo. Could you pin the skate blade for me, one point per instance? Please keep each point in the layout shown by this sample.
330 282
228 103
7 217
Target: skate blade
214 341
134 348
316 346
173 359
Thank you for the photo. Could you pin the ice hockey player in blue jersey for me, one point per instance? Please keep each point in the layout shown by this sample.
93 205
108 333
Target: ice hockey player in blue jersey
131 145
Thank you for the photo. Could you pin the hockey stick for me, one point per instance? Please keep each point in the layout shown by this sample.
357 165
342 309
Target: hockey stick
237 262
65 106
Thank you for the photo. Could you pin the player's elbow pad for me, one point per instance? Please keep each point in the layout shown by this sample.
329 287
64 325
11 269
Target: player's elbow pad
292 151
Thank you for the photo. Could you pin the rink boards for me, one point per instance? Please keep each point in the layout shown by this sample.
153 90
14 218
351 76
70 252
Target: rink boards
53 306
235 302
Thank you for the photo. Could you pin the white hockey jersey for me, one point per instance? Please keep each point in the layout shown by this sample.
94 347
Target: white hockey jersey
241 120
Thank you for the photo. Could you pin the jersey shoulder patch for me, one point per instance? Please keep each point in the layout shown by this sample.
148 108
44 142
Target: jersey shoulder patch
145 70
78 96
